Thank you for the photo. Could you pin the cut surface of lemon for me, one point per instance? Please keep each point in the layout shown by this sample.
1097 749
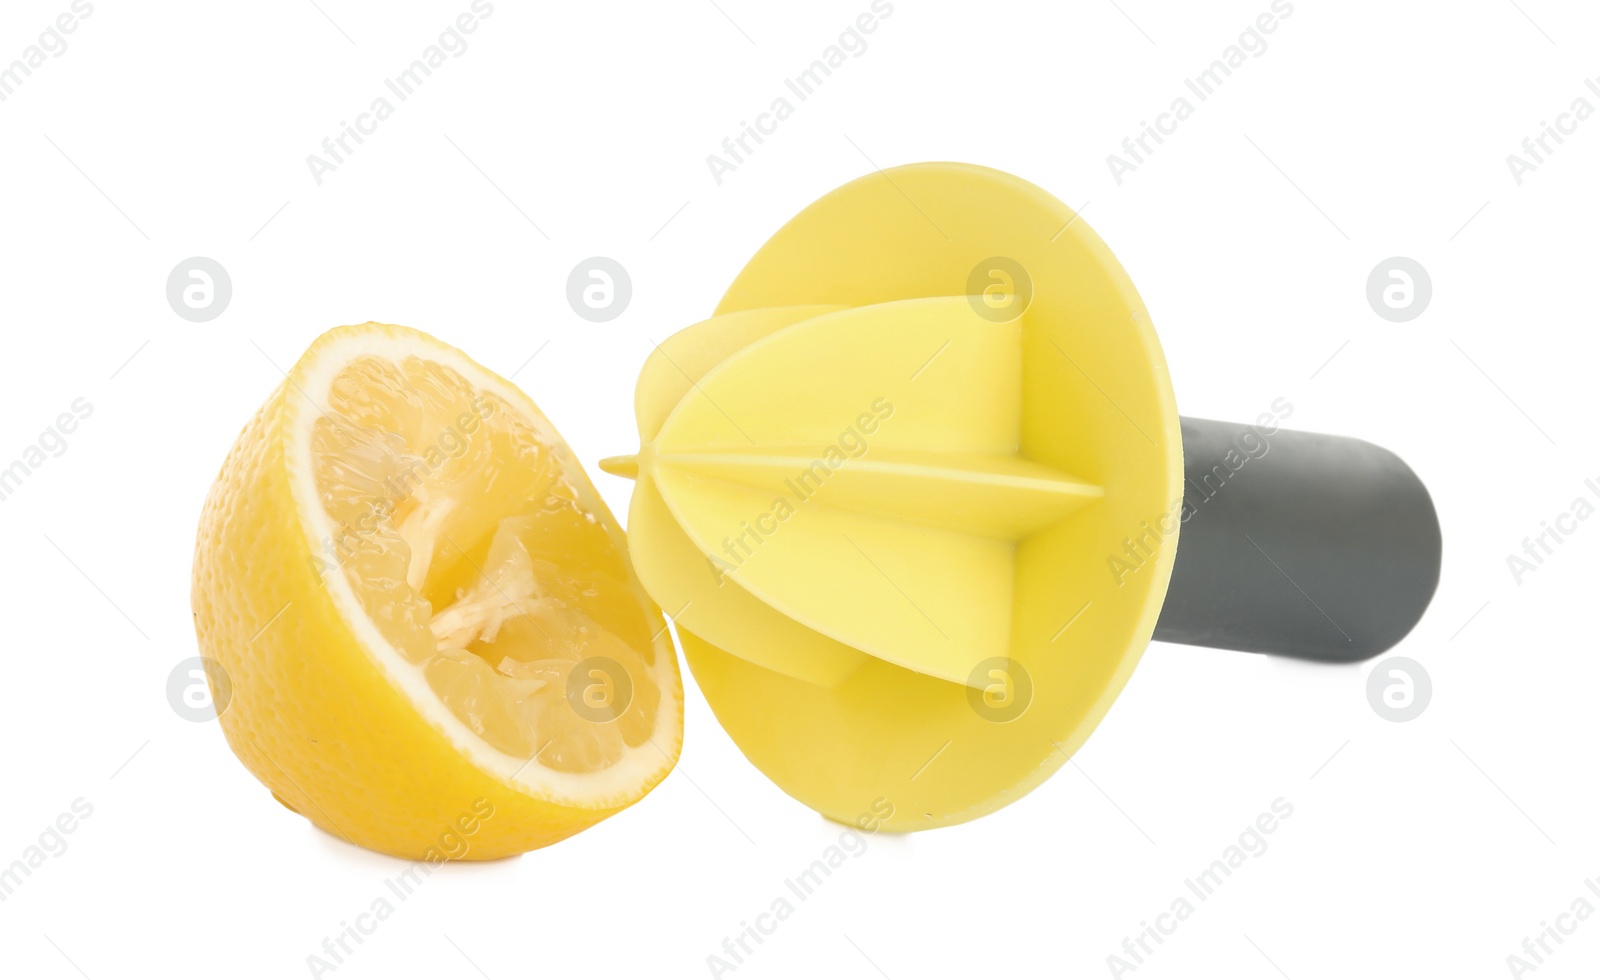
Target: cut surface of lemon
424 610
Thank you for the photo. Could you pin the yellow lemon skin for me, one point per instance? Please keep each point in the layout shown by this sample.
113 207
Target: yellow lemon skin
313 716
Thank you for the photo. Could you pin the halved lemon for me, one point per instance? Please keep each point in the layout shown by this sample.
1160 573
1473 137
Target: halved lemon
434 641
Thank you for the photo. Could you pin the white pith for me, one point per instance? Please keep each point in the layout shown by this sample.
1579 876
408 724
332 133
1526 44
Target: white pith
309 385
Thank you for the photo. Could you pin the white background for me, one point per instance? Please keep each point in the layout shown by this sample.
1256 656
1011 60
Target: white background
1365 130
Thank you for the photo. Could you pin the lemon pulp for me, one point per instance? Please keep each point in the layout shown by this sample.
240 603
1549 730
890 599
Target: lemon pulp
470 551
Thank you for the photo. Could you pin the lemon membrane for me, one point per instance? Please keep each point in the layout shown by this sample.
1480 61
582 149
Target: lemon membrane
469 596
443 514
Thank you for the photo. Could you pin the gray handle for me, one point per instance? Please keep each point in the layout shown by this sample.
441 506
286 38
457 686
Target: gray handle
1298 544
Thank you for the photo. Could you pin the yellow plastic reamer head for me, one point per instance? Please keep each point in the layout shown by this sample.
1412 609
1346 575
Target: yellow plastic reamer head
878 490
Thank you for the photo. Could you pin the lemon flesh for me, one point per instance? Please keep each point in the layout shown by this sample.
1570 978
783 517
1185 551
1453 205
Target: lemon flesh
425 610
